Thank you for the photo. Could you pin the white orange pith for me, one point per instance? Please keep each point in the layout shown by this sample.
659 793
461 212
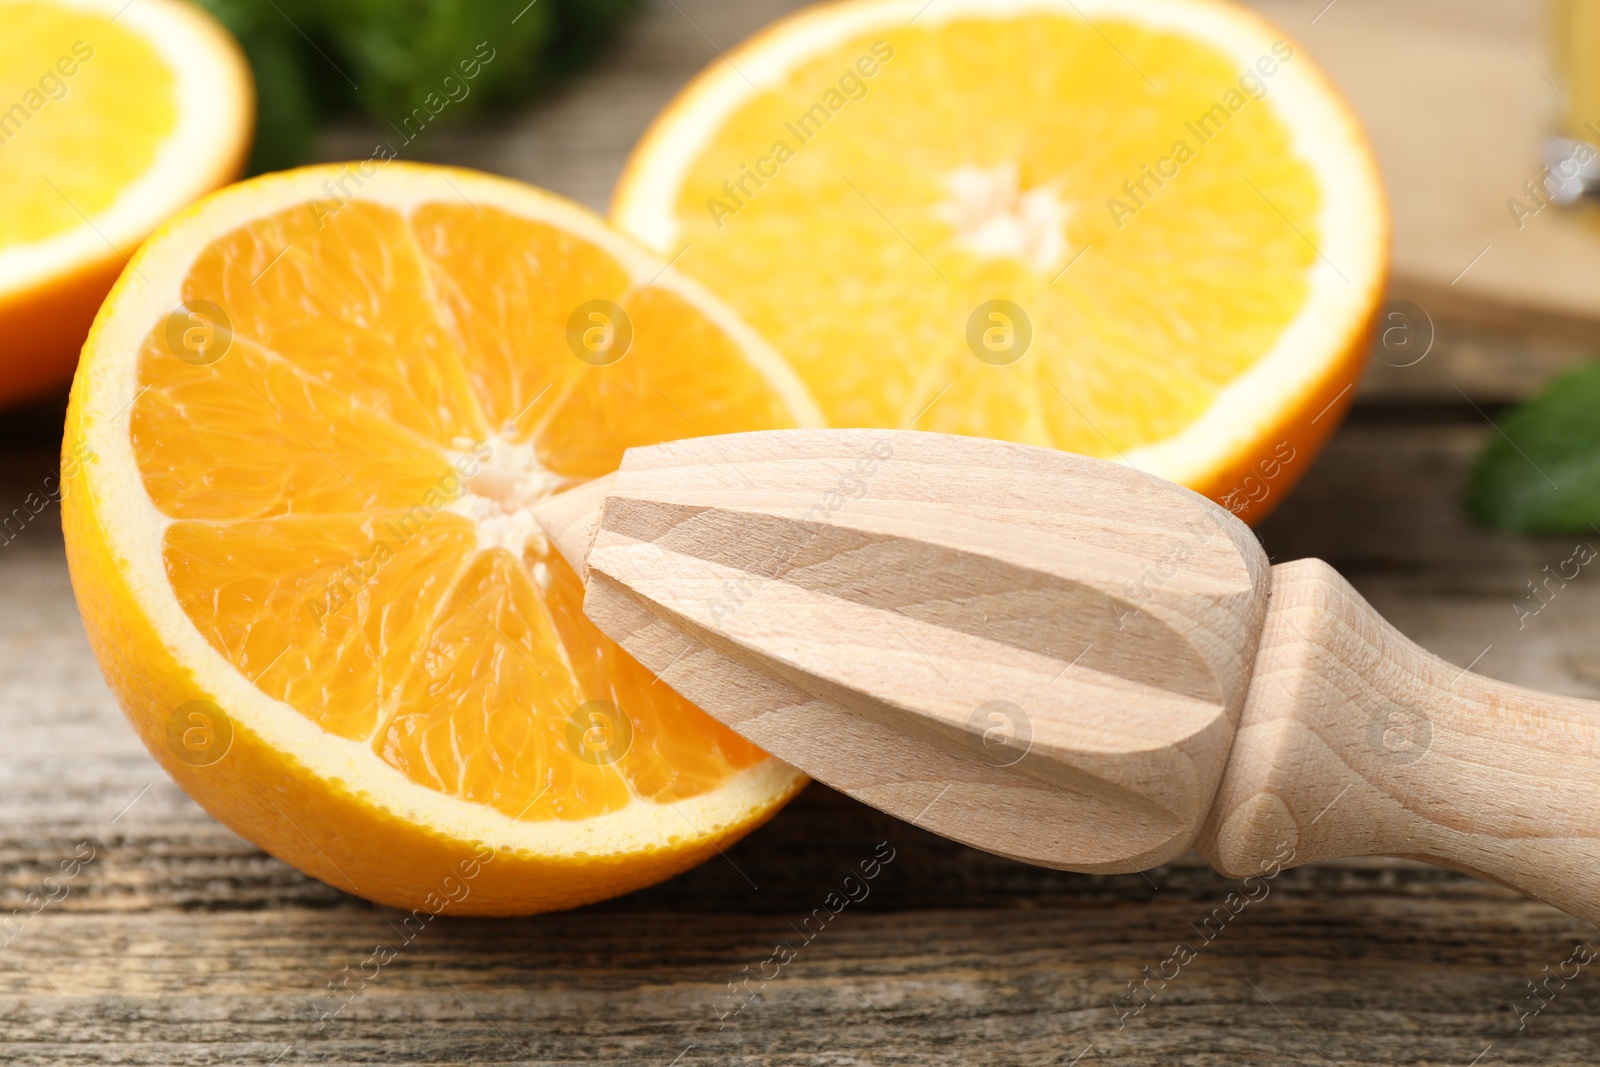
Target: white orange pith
315 426
112 116
1183 218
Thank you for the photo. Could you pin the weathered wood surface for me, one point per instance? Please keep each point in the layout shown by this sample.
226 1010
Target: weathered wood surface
181 944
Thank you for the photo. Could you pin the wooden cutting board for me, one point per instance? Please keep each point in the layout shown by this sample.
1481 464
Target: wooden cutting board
1459 97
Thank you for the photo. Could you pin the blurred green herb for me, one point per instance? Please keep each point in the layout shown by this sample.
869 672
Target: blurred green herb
1541 472
315 59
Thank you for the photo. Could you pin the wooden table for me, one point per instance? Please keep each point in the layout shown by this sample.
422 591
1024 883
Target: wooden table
181 944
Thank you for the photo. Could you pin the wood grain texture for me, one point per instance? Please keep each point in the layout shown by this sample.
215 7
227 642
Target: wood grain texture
761 575
1032 652
1354 741
182 944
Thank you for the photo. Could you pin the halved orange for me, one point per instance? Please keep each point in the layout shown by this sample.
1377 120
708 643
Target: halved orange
300 452
113 115
1146 230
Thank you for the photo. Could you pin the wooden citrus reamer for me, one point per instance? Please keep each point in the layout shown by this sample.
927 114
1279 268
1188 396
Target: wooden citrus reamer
1068 662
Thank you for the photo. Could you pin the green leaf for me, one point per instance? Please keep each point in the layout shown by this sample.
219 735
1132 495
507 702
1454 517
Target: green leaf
1541 472
400 53
582 28
287 117
430 61
287 111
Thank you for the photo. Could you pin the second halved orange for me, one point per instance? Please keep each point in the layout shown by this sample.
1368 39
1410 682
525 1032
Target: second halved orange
305 433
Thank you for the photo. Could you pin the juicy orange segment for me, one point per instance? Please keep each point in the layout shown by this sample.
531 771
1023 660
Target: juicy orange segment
346 301
1133 229
113 115
327 455
64 100
353 539
506 345
306 437
999 207
289 603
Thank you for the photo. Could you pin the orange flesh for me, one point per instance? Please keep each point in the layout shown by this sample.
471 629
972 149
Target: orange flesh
84 107
389 377
1169 304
